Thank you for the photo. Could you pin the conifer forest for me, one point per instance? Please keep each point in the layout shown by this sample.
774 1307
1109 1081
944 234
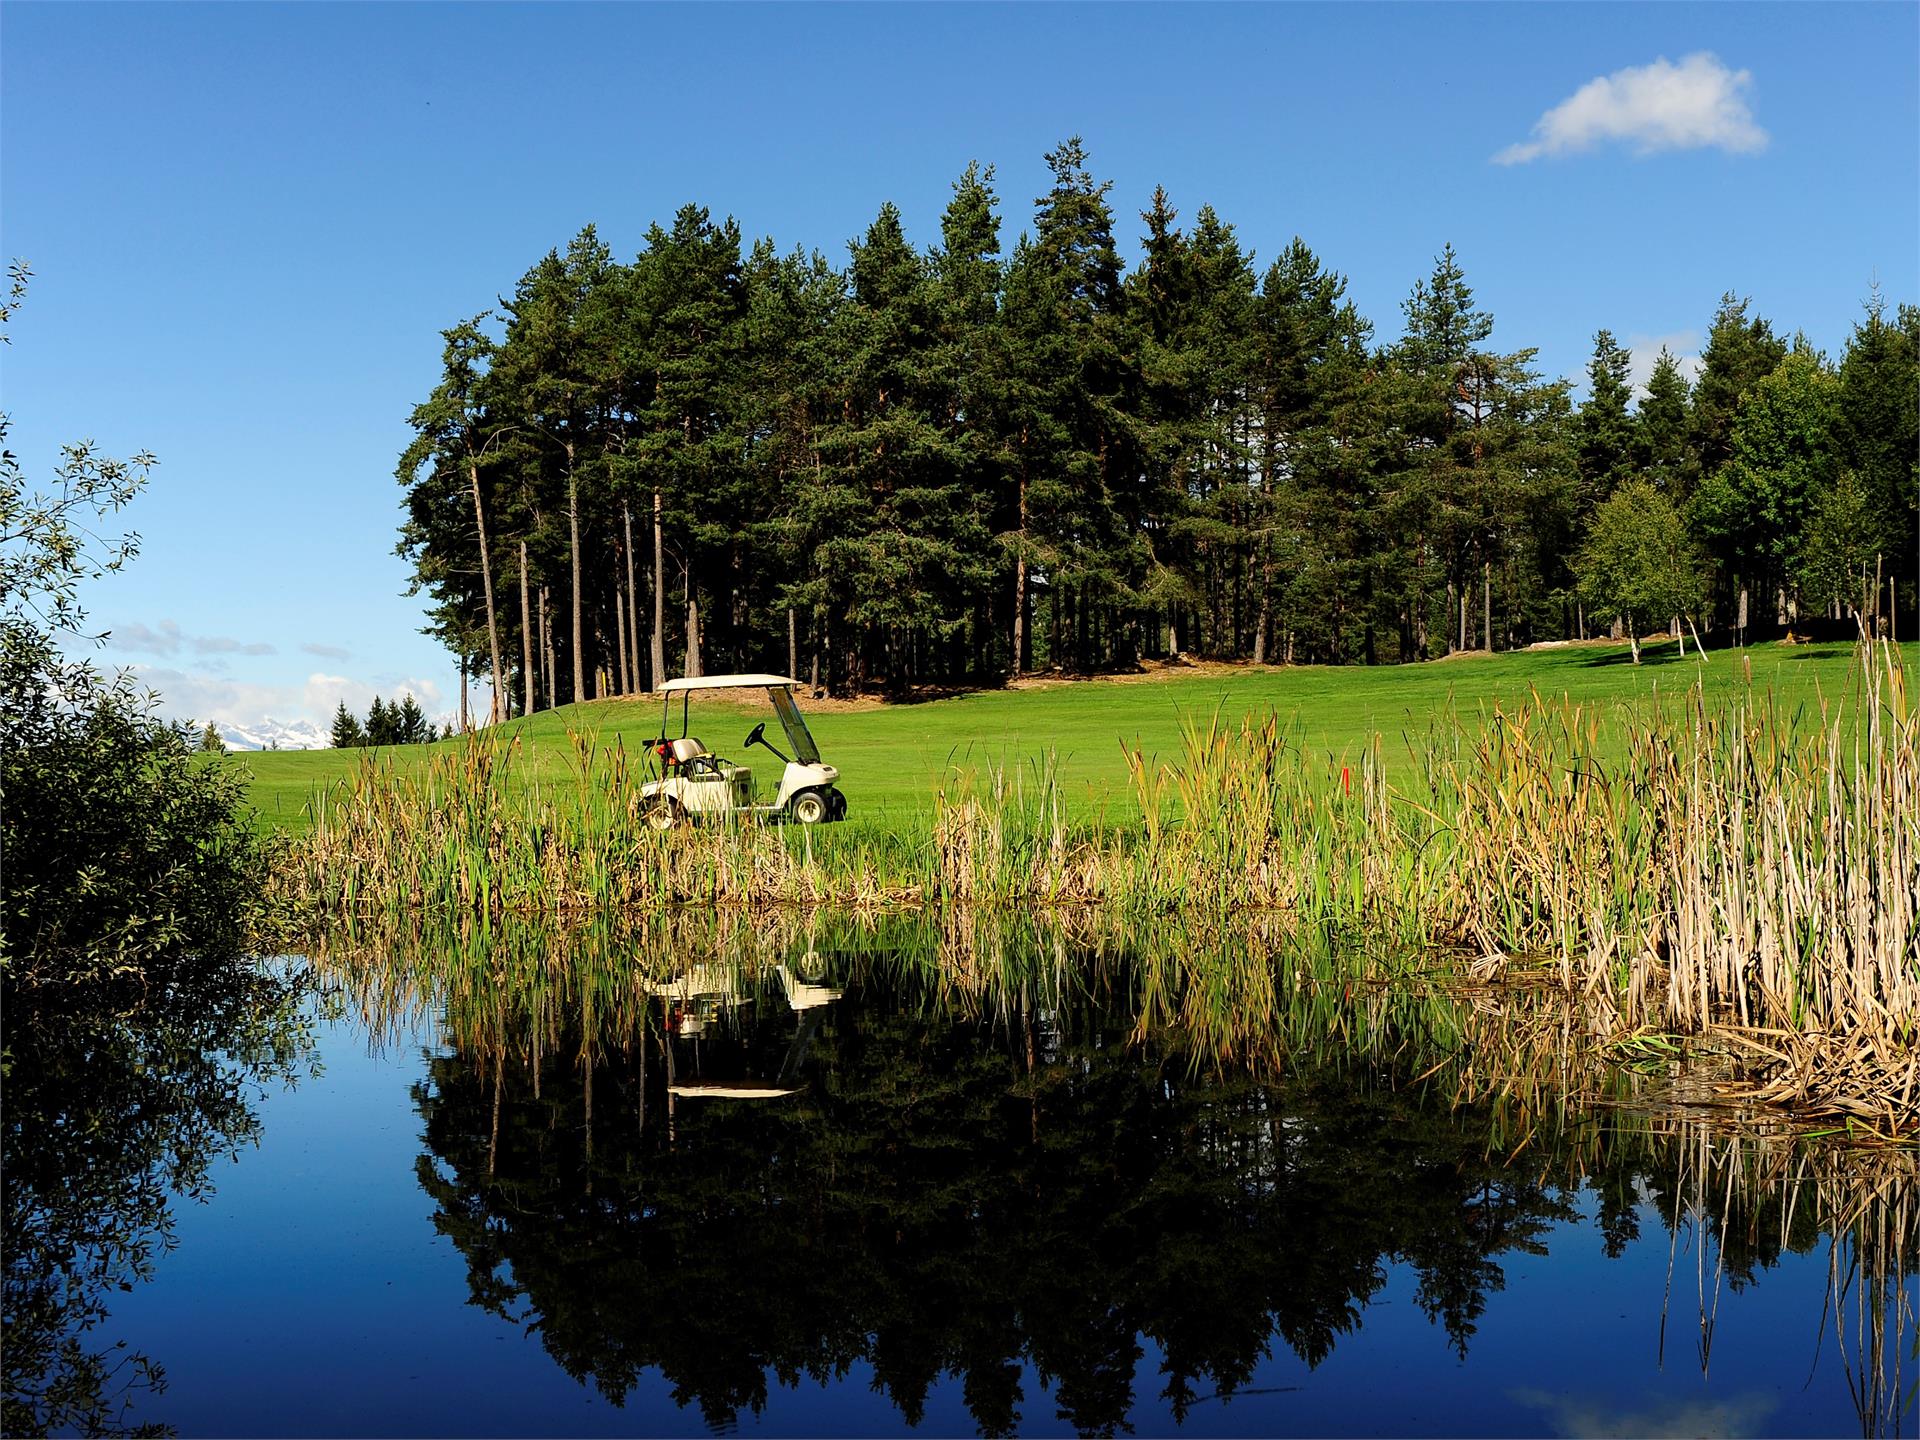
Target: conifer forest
1013 452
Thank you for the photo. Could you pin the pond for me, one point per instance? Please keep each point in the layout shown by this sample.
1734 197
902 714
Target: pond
838 1182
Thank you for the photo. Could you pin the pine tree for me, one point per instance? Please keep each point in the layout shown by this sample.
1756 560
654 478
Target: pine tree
410 723
791 367
382 727
347 733
1662 451
1318 500
553 378
686 331
902 549
454 432
1168 412
968 399
210 741
1738 355
1879 419
1444 330
1444 500
1092 563
1604 431
1224 485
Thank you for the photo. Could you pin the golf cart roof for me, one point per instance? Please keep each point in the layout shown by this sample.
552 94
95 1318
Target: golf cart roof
729 682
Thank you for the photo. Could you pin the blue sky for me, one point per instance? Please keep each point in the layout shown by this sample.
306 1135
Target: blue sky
249 223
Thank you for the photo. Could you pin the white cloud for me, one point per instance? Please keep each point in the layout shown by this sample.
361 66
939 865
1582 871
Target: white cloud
323 694
326 652
1644 350
1696 104
200 696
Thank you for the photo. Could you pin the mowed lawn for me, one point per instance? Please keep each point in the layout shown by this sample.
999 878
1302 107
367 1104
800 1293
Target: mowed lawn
893 759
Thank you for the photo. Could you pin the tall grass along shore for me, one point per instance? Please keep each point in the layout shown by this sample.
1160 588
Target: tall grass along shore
1688 865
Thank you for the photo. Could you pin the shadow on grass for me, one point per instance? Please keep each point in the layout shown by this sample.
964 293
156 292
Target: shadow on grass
1660 652
1665 652
1817 652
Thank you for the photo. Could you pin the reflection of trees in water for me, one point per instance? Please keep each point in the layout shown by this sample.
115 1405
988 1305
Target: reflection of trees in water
930 1207
1039 1141
109 1116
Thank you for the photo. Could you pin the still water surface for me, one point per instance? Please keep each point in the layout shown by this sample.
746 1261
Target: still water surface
817 1201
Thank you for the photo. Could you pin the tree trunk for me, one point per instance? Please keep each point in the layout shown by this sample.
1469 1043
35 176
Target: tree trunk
1020 588
620 638
1633 638
526 639
465 724
1264 620
579 627
793 644
546 647
500 702
693 637
633 606
1486 604
659 600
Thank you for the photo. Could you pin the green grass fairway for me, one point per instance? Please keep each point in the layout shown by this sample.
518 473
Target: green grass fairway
892 759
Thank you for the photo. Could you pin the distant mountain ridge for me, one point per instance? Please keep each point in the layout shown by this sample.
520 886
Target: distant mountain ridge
268 733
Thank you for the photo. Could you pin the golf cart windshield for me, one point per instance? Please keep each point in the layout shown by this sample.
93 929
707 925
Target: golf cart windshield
795 724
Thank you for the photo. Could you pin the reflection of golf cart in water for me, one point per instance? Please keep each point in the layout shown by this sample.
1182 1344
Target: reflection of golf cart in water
723 1055
695 783
701 994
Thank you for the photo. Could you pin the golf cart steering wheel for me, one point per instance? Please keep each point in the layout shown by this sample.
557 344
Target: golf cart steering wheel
759 737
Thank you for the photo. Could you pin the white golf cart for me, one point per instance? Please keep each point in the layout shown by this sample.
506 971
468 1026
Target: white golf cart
697 784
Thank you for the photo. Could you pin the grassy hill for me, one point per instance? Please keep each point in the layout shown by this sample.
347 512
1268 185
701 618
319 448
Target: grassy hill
892 757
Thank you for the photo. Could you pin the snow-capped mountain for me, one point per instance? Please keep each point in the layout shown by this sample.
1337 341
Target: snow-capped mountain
268 733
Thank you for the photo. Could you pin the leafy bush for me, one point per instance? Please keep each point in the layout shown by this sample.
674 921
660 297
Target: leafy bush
122 847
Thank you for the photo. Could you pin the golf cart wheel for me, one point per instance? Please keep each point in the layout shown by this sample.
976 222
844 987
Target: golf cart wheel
809 807
662 815
837 806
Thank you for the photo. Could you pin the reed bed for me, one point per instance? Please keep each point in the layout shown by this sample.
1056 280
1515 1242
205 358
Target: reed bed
1733 872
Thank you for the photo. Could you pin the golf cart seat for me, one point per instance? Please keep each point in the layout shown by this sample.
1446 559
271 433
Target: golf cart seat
686 748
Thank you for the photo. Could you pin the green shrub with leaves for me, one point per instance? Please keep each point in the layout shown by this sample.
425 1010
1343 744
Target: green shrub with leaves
1638 563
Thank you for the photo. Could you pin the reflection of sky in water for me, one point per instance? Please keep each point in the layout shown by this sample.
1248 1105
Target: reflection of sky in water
1601 1417
311 1294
